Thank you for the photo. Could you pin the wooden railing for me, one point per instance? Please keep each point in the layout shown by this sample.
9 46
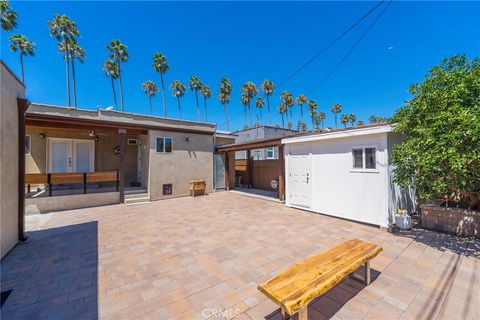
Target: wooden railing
71 177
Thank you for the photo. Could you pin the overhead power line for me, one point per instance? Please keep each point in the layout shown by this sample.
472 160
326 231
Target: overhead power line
328 46
349 52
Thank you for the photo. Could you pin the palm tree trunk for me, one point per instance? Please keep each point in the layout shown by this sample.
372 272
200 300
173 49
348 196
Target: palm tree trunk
250 115
336 126
226 114
301 111
150 100
206 111
114 94
67 71
198 106
121 87
21 64
163 95
283 122
269 115
74 84
179 107
261 117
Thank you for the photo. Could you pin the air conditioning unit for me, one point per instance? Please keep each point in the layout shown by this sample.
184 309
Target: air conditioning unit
133 142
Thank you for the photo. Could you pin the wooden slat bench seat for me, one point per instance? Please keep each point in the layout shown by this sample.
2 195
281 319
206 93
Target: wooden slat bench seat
197 185
295 287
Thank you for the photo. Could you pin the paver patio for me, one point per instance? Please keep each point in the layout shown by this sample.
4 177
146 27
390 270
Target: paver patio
197 258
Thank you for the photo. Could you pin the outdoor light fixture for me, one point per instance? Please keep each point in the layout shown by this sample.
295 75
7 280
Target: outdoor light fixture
96 138
91 133
187 139
42 135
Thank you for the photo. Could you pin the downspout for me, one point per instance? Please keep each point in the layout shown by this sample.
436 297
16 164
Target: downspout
23 105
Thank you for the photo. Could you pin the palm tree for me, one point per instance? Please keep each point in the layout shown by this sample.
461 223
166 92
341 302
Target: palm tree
268 87
302 126
249 91
119 54
287 98
360 123
312 107
224 95
259 103
20 43
76 53
320 117
178 90
150 89
336 109
9 17
64 30
282 109
160 64
206 94
195 85
344 119
301 100
111 71
352 118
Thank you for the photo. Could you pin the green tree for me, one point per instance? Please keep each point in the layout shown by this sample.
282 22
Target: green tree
150 89
160 65
352 118
25 47
319 118
344 119
206 94
119 54
302 126
312 107
65 31
249 91
9 17
360 123
195 84
260 103
224 95
287 98
440 153
111 71
336 109
178 91
268 87
301 100
376 119
76 53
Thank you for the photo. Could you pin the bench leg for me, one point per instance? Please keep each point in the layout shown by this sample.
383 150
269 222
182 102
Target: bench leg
366 273
285 315
303 314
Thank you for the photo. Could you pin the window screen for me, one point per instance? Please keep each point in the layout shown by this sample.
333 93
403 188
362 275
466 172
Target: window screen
357 158
370 162
168 144
164 145
160 144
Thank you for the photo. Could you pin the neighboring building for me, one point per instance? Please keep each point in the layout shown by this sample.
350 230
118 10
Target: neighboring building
260 133
11 226
220 161
346 173
158 156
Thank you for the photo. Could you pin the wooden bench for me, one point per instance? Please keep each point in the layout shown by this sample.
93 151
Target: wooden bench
295 287
197 185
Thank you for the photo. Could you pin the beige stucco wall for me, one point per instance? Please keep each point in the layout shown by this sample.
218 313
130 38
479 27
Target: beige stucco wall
105 159
189 161
11 89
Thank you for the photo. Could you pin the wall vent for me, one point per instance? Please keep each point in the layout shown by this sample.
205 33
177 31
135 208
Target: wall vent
133 142
167 189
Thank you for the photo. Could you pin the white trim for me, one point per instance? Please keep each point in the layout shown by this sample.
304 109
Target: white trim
364 168
162 152
340 134
273 153
71 152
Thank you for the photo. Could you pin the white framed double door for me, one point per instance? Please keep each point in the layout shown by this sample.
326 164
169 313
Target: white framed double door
70 155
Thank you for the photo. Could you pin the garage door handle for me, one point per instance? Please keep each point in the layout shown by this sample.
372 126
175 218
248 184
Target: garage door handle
307 178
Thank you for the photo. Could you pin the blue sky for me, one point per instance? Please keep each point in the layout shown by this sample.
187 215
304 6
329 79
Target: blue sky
248 41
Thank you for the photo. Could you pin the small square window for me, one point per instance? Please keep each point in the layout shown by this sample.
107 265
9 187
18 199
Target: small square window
270 153
28 145
357 158
167 189
370 162
164 145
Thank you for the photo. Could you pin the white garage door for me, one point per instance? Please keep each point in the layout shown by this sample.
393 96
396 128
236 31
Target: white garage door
300 180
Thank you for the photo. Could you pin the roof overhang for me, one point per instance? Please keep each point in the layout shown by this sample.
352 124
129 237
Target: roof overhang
249 145
325 135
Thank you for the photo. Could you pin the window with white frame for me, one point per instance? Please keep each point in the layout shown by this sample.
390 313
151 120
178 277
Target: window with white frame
28 145
164 145
364 158
270 152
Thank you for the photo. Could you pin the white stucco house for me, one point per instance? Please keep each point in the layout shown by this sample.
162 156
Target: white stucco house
346 173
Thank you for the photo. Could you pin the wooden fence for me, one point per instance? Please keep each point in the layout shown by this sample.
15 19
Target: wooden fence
262 172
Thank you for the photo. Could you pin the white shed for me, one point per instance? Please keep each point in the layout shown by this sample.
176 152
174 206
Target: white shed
346 173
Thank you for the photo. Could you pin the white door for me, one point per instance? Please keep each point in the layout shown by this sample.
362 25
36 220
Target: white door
70 155
300 180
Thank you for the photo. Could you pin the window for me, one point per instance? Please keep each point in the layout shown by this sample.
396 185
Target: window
364 158
270 153
164 145
28 145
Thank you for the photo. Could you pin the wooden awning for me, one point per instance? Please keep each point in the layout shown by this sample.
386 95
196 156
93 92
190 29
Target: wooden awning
249 145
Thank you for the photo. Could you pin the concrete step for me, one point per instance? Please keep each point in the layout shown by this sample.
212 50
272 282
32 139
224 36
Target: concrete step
144 198
137 195
135 191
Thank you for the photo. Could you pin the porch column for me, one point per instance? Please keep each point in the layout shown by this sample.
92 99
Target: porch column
23 105
122 138
281 177
227 171
249 169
